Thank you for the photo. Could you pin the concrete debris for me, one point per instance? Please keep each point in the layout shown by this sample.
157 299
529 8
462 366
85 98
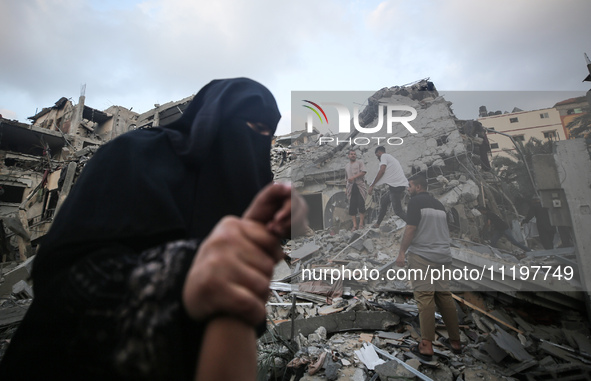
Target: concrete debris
305 251
12 312
368 356
281 272
338 322
504 339
510 344
10 277
22 290
406 366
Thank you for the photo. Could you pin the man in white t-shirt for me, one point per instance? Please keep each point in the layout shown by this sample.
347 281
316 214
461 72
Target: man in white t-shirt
390 173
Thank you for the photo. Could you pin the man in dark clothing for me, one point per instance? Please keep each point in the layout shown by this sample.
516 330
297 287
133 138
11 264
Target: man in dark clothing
500 228
545 229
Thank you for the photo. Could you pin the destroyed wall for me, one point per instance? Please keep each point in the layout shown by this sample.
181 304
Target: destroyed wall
438 149
55 118
119 123
32 158
161 114
29 154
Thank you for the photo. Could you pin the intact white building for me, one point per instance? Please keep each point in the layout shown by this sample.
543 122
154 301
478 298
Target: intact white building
544 124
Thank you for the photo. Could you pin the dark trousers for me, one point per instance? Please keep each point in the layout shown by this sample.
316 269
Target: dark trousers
356 203
394 197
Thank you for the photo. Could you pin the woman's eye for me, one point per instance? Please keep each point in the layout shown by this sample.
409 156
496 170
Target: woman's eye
261 128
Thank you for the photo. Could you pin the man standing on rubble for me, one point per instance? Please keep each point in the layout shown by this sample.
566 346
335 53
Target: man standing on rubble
390 173
356 189
426 238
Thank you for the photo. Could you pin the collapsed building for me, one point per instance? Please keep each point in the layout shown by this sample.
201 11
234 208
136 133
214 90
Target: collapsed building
40 162
346 327
356 328
34 161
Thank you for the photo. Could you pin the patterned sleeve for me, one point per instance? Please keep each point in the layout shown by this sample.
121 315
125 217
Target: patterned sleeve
131 313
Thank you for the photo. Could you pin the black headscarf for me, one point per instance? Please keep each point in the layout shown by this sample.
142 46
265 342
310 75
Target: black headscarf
152 186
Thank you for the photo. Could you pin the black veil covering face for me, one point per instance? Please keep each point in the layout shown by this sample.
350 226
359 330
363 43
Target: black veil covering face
156 185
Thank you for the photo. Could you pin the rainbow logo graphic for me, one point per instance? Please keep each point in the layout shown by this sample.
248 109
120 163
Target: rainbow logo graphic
316 112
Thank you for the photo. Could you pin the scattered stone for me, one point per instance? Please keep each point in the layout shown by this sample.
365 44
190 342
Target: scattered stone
369 246
331 369
414 363
392 370
321 331
359 375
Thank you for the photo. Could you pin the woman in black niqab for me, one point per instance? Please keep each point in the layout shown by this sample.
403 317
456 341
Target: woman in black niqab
143 189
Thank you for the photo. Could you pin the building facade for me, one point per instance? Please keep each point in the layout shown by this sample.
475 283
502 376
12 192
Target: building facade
545 125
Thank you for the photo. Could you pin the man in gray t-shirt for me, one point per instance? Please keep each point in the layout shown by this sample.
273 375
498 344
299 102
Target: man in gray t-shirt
426 238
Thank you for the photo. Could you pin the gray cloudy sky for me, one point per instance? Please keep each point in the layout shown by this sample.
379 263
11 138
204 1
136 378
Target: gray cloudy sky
137 53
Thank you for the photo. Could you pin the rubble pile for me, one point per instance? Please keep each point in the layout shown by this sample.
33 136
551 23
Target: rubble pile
445 149
363 329
280 158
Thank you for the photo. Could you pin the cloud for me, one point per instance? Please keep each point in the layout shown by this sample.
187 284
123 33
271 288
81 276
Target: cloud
134 53
155 51
524 45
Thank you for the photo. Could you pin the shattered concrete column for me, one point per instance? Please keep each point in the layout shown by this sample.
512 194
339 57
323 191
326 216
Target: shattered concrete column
68 181
20 229
25 249
156 122
76 121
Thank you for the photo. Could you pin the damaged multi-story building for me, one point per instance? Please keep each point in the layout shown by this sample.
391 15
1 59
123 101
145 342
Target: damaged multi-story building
35 161
40 162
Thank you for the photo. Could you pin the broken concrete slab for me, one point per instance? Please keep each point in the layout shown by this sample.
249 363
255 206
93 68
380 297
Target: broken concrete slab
510 344
22 290
327 310
344 321
562 372
305 251
392 370
12 315
368 245
281 271
560 353
392 335
388 356
519 367
493 350
440 373
21 272
526 327
479 374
